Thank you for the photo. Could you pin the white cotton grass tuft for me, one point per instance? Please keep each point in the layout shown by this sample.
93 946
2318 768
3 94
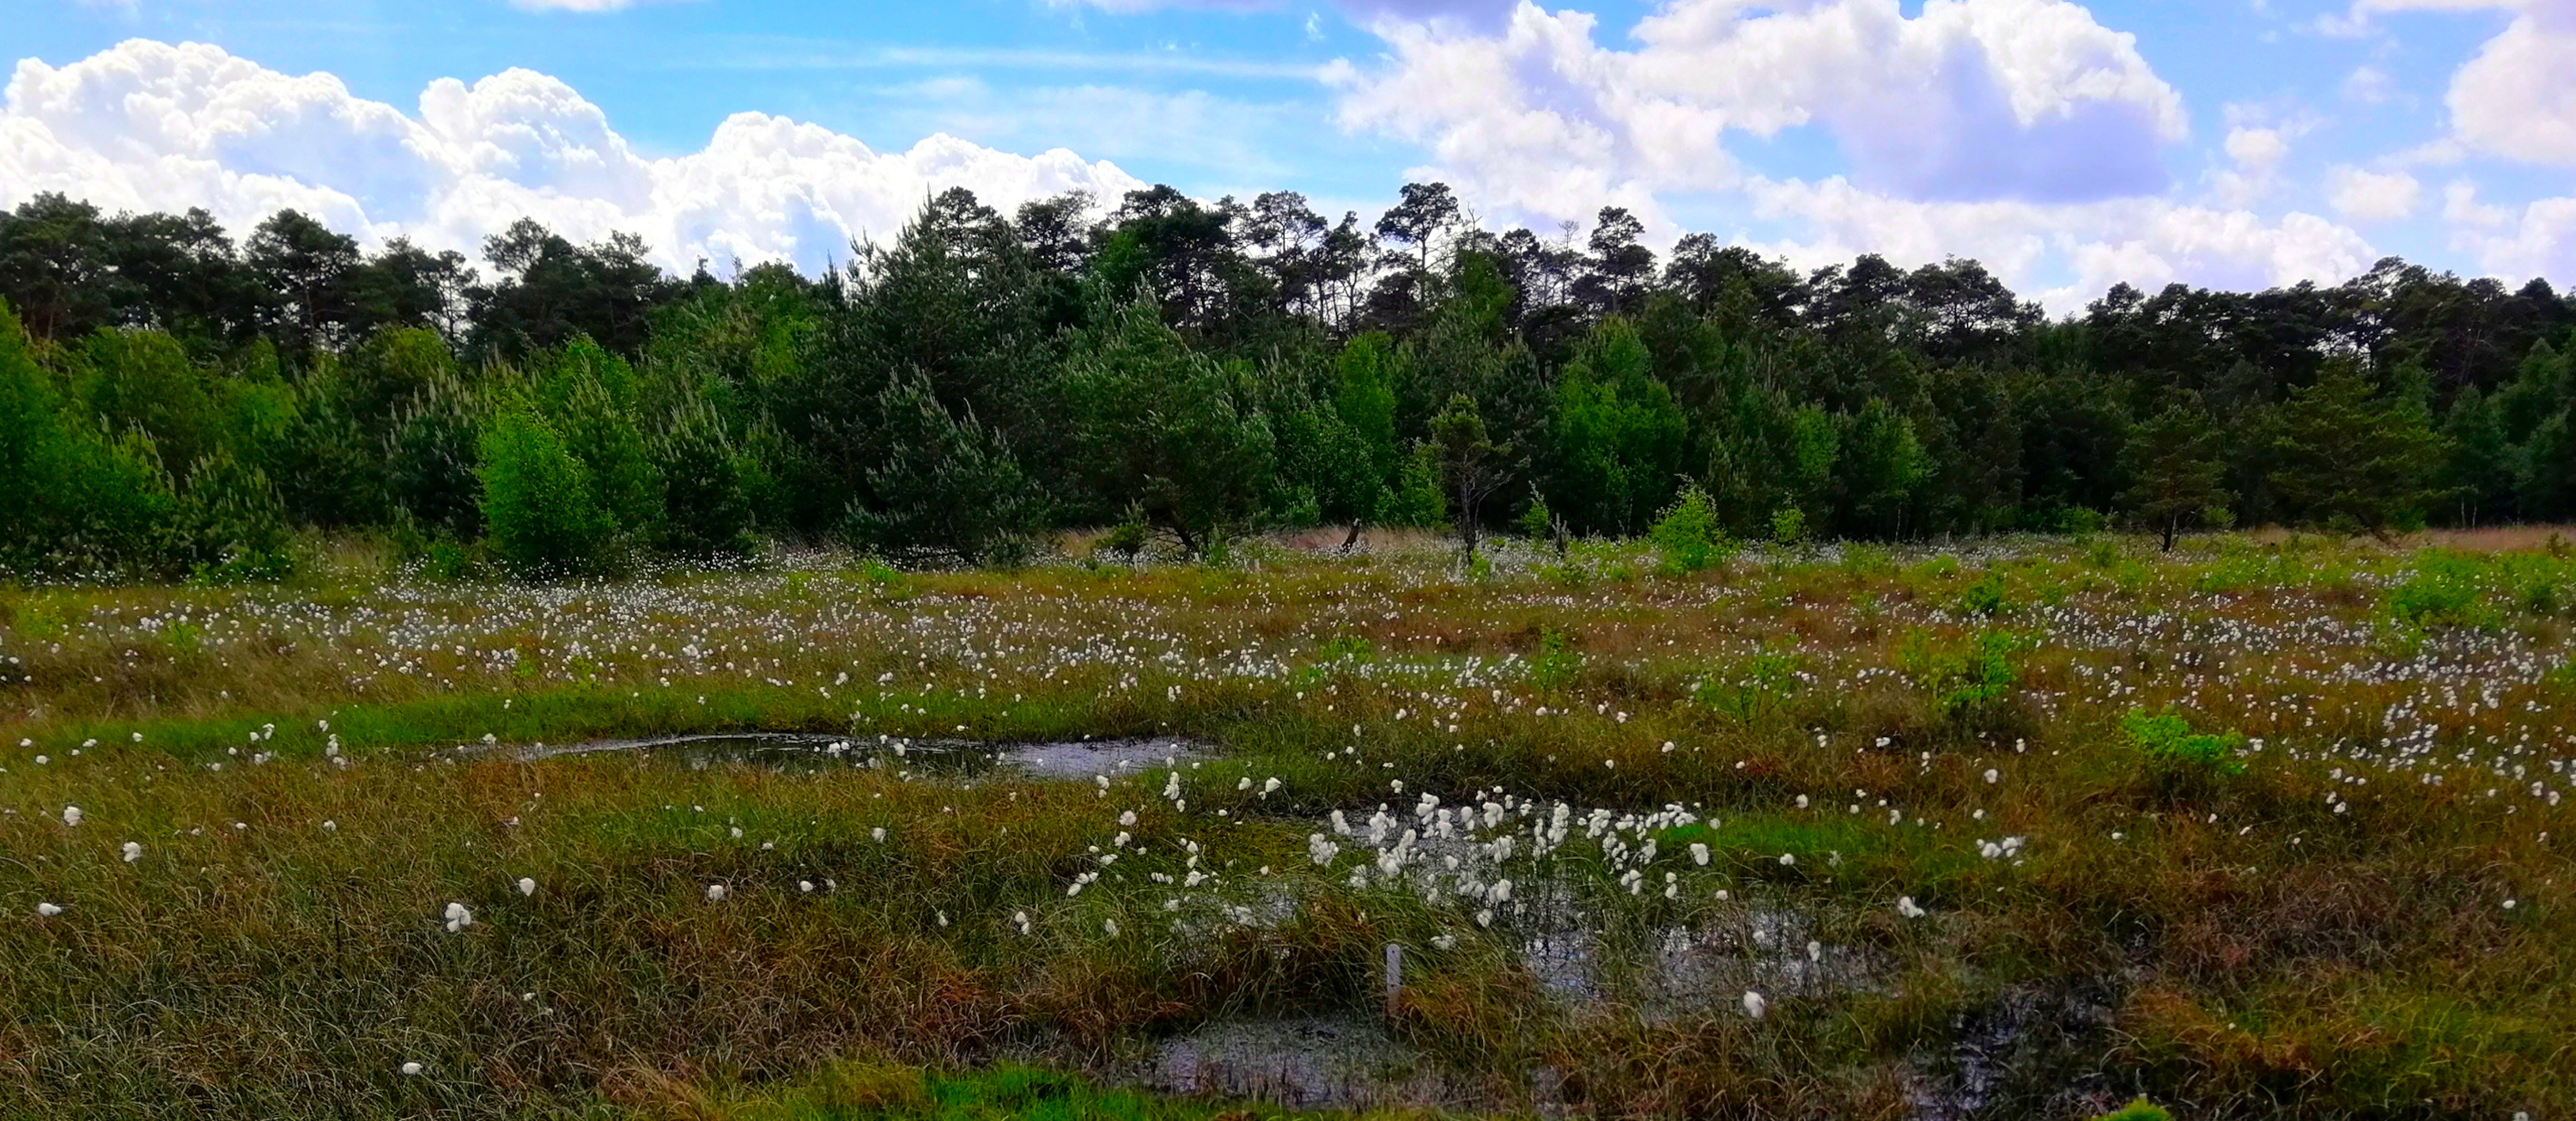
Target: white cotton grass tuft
715 893
1699 854
1906 906
527 886
1754 1005
48 910
1110 925
133 851
71 815
458 917
410 1069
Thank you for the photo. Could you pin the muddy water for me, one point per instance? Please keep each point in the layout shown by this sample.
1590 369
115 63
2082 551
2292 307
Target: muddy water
922 758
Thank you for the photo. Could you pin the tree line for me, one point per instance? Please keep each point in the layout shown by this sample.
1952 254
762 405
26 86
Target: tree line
174 403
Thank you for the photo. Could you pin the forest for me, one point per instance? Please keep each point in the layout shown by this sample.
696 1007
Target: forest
179 404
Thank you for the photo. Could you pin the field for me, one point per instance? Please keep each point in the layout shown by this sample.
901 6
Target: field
2269 827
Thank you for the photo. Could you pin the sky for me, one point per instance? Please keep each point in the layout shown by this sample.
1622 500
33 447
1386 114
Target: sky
2068 146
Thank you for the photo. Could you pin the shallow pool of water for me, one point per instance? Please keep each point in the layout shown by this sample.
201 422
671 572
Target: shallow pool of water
800 752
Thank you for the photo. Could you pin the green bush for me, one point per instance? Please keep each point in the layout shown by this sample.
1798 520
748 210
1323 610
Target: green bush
1557 662
1969 680
2169 743
233 523
2139 1110
1986 597
707 503
1753 688
2444 590
1689 535
538 507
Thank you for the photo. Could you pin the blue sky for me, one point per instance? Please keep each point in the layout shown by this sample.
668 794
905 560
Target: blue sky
2234 142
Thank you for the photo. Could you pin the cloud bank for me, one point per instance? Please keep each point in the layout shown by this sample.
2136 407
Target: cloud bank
2020 132
155 126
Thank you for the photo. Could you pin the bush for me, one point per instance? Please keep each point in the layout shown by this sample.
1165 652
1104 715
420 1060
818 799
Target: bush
1557 662
233 523
1689 534
537 500
2170 744
707 507
949 488
1965 680
1986 597
2139 1110
2443 591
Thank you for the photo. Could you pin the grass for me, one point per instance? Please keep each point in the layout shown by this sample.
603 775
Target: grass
2308 920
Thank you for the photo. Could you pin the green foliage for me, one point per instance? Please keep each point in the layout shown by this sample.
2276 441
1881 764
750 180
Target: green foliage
1166 429
1752 688
1789 526
1129 536
1968 680
1987 596
2349 458
706 493
589 399
1615 434
431 460
539 505
1472 465
2444 590
2139 1110
233 522
1536 523
1689 536
1418 501
2168 742
1557 662
949 488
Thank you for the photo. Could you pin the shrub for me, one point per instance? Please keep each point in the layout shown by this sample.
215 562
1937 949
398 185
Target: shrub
708 507
1689 534
1789 526
2443 591
233 523
1986 597
1965 680
537 501
1557 661
949 488
2170 744
2139 1110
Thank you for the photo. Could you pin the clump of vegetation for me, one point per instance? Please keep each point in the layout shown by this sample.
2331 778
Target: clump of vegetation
1689 535
1968 681
2169 743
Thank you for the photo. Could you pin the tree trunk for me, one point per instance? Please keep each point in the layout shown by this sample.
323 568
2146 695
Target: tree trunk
2171 525
1353 539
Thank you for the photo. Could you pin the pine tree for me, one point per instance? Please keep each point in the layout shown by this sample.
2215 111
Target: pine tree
2346 457
2480 470
1472 465
948 490
2176 470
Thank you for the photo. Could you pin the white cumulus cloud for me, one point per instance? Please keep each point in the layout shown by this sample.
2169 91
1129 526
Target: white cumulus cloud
147 125
1970 100
2517 98
2022 133
2370 196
